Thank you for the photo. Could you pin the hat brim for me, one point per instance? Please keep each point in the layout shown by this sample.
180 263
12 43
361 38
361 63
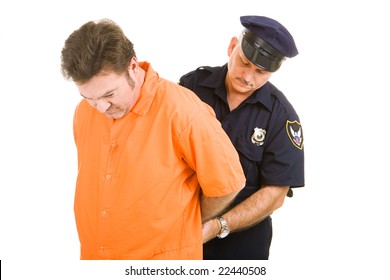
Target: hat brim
260 53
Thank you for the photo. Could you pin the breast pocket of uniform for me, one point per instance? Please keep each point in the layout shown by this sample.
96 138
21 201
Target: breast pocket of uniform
250 157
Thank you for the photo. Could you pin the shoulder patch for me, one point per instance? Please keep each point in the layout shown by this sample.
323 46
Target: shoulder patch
294 132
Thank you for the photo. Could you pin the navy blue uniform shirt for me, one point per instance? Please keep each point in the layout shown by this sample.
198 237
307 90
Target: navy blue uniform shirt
276 156
267 134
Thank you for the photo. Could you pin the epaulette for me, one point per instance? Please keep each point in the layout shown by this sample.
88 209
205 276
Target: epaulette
200 71
205 68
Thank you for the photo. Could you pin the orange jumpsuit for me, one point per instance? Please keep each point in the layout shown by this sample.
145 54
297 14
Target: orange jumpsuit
139 177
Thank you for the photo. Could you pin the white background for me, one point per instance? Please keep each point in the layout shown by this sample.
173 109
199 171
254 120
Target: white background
337 227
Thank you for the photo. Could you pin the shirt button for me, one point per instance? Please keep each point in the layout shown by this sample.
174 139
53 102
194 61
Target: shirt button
108 177
113 143
103 213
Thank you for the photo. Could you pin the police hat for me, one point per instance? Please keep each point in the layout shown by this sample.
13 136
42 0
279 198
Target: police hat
266 43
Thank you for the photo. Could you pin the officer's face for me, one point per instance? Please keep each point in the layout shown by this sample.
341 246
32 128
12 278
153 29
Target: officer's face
243 75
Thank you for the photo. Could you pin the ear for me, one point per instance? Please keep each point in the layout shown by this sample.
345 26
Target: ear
133 65
232 45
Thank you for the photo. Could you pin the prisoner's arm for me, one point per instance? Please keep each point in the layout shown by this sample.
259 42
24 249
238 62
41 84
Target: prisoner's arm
211 207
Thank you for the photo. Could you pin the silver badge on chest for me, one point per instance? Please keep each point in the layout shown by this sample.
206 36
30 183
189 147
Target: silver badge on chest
258 136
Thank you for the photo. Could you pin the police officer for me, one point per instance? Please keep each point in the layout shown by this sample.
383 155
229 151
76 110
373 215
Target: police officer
265 130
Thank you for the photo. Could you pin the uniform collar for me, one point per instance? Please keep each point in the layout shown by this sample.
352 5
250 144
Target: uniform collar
217 80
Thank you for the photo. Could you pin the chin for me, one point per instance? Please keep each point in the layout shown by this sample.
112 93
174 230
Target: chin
115 115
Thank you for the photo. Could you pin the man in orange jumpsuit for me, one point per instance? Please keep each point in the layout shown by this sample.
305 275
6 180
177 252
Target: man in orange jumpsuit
153 161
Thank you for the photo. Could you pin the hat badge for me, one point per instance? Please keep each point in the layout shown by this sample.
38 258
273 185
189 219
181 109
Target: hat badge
258 136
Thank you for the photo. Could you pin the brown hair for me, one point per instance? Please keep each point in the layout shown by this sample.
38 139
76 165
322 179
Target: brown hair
95 47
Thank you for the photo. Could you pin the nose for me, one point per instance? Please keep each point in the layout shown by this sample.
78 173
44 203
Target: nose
102 105
248 74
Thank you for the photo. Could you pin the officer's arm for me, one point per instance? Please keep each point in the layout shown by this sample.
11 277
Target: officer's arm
249 212
211 207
